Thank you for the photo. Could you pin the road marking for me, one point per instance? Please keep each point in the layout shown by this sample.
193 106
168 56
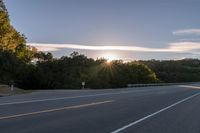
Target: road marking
190 86
73 97
83 96
153 114
54 110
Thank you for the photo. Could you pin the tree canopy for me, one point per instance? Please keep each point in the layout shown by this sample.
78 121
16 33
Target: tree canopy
185 70
12 40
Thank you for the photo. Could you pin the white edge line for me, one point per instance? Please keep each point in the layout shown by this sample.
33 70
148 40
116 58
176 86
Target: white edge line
153 114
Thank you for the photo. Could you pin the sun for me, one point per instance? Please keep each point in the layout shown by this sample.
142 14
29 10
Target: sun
110 57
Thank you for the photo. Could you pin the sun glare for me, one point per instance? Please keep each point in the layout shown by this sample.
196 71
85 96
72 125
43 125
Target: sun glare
110 57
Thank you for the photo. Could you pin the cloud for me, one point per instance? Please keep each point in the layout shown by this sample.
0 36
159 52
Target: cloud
42 46
176 47
185 46
47 49
189 40
187 32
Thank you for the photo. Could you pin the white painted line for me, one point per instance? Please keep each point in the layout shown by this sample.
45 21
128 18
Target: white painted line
54 110
153 114
190 86
73 97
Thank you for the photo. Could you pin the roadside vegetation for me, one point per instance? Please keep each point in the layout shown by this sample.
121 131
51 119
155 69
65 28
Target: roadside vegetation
185 70
27 68
5 90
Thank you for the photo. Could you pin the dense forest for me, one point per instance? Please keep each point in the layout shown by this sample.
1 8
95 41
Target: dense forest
185 70
28 68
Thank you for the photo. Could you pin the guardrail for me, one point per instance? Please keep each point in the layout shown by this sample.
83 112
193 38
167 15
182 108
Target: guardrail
158 84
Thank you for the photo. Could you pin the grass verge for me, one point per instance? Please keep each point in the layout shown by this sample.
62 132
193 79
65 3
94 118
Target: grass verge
5 90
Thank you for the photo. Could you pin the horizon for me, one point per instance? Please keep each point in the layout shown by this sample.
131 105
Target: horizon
128 30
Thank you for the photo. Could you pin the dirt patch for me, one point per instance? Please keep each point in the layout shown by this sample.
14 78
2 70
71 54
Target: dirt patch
5 90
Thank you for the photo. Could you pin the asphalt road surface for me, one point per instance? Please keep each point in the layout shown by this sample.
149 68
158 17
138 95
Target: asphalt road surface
166 109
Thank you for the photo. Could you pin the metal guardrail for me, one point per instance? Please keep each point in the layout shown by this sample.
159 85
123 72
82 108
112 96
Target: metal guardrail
158 84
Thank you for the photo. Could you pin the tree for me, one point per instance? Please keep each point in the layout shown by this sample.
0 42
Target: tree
185 70
2 6
10 39
41 56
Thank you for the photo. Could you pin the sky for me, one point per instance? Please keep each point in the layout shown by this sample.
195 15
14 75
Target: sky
114 29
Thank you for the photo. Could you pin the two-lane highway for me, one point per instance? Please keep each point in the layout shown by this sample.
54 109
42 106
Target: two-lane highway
165 109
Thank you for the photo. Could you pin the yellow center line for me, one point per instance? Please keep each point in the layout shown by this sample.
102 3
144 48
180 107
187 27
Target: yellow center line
54 110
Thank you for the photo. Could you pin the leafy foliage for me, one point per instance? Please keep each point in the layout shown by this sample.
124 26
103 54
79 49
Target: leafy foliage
9 37
185 70
11 40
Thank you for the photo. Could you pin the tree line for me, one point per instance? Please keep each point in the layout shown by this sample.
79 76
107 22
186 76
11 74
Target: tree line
70 71
185 70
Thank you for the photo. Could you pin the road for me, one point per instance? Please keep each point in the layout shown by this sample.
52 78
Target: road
166 109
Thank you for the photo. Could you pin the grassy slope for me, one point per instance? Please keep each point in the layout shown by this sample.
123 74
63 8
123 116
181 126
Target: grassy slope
6 91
